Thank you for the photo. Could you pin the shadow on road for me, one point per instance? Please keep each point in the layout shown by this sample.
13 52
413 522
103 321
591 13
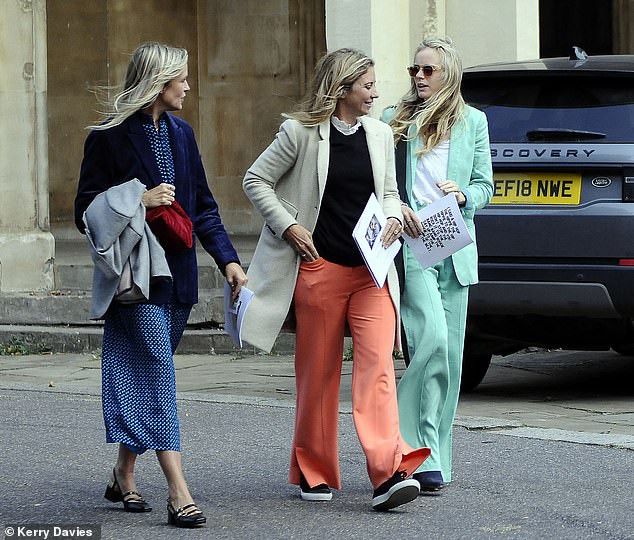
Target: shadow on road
587 374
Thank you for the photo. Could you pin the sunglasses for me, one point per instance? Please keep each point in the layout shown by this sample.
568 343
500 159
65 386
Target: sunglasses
427 70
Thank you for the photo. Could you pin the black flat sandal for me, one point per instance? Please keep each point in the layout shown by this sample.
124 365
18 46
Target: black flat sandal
187 516
133 501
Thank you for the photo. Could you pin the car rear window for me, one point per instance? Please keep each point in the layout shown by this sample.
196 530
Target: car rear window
597 107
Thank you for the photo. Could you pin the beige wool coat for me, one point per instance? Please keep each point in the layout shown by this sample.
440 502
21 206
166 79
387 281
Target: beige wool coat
286 184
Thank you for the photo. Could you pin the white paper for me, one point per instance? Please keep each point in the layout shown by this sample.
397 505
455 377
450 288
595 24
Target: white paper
234 312
367 234
445 232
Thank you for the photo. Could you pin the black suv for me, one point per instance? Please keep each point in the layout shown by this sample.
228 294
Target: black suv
556 242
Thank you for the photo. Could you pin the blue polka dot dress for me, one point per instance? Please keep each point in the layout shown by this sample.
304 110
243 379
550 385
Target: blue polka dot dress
138 382
139 340
160 145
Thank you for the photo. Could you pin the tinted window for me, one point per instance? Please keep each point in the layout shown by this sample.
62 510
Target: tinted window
595 107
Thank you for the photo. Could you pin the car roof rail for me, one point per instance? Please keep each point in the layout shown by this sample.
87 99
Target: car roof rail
578 53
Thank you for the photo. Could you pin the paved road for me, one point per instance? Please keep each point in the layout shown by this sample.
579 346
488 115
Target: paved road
573 392
566 395
237 418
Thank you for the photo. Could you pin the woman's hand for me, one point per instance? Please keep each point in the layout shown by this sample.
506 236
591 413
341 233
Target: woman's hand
449 186
301 240
236 278
391 231
412 225
161 195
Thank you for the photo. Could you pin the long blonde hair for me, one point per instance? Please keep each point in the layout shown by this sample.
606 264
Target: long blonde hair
435 116
333 77
152 66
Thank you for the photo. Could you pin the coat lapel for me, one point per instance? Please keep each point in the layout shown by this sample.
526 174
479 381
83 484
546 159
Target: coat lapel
456 144
142 148
413 147
323 155
178 143
375 148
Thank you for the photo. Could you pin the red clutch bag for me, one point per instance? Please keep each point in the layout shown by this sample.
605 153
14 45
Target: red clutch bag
171 225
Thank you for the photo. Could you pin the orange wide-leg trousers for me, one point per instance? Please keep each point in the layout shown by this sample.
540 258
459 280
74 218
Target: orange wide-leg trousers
327 296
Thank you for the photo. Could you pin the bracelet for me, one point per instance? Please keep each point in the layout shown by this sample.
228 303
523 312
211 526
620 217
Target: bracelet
404 204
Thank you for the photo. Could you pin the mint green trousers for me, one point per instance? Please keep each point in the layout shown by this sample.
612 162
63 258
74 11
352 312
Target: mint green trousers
434 313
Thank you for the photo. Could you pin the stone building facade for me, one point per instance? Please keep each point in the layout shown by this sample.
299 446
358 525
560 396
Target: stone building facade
250 60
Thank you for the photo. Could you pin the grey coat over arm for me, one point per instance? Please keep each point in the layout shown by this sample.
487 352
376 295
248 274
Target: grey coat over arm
116 231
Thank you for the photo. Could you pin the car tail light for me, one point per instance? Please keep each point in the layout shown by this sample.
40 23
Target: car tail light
626 262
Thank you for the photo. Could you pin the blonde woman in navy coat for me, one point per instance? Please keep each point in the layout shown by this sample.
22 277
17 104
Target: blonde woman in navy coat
447 152
138 138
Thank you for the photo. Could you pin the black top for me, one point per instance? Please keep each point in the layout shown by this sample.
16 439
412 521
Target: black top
348 188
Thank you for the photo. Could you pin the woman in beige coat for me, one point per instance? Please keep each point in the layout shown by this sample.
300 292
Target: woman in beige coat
311 186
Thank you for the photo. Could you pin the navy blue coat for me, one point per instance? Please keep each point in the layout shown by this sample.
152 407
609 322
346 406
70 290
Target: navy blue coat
123 152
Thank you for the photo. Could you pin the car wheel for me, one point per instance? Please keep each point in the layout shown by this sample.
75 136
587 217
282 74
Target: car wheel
474 368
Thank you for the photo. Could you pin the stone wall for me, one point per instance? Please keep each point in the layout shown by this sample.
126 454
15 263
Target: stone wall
26 246
89 43
248 62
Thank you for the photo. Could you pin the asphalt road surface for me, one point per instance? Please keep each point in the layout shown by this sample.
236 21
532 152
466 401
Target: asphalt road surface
519 472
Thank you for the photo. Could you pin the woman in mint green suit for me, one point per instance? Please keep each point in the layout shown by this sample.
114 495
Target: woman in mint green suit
447 151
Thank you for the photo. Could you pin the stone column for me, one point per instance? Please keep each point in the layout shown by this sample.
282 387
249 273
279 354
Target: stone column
27 248
493 30
482 31
386 31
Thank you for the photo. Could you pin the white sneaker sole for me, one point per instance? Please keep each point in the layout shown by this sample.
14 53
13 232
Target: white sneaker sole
315 496
401 493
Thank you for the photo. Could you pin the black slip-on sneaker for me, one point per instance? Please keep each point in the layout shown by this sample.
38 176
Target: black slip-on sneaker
394 492
318 493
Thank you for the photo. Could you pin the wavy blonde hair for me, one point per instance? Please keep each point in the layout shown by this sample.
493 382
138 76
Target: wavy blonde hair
333 77
434 117
152 66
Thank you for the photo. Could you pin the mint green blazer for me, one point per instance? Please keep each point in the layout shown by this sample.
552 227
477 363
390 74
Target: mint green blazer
470 167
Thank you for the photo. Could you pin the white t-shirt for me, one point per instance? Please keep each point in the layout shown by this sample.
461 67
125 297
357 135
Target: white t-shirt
431 168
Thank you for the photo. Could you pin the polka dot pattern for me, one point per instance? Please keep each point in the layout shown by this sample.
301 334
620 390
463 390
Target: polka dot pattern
138 380
160 145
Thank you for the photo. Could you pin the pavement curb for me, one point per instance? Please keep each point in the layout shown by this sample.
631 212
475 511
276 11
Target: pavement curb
82 339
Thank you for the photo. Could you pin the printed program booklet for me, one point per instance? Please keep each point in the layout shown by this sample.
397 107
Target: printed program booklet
367 234
444 232
234 312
